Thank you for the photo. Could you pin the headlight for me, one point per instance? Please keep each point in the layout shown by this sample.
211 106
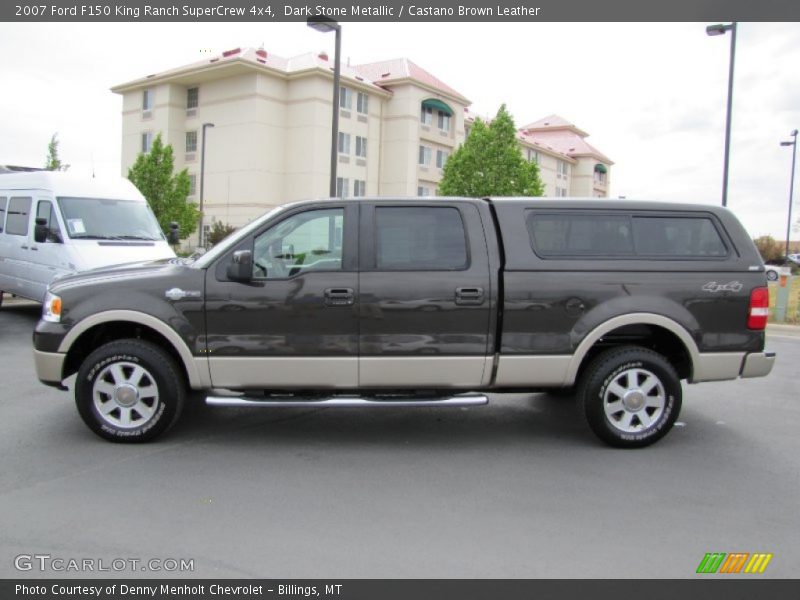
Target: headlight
51 310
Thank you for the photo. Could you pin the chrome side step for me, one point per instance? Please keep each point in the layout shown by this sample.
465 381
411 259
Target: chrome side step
348 401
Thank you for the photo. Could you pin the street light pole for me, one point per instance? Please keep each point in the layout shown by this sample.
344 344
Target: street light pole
202 180
326 25
793 144
720 30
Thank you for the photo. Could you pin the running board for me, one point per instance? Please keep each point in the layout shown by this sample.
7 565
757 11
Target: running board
348 402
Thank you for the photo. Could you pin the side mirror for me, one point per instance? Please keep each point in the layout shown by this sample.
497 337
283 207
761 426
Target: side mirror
40 230
173 236
241 267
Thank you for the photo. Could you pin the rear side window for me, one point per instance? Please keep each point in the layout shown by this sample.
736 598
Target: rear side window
2 213
17 220
677 237
557 235
618 236
421 238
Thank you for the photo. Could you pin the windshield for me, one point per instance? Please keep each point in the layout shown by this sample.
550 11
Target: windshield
107 219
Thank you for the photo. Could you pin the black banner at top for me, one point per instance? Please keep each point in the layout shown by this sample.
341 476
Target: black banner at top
399 10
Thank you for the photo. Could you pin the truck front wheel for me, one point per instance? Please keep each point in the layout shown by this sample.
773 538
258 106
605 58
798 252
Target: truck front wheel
631 396
129 391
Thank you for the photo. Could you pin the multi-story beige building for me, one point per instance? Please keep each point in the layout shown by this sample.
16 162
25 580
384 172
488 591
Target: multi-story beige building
270 141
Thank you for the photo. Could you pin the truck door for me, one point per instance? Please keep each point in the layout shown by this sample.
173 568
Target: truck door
294 325
425 296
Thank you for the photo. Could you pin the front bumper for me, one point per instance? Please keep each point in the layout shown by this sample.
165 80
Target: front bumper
758 364
49 367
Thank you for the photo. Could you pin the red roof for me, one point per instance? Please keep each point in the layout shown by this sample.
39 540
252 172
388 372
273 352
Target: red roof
561 135
402 68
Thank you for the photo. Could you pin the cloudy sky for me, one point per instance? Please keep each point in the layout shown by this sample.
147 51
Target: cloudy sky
652 96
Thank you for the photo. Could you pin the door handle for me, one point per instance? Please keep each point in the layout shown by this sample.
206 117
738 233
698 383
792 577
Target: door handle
339 296
24 247
469 295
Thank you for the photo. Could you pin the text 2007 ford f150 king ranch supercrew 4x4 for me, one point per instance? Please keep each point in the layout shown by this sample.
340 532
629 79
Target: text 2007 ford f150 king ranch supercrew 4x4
420 302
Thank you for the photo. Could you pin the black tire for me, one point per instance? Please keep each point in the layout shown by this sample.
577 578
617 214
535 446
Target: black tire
648 379
138 386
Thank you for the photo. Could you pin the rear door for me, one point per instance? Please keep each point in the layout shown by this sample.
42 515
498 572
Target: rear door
425 296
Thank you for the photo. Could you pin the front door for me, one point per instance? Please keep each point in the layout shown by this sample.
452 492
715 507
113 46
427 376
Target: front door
295 325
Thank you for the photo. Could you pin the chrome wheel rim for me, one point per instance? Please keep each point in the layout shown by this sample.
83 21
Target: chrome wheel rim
125 395
634 400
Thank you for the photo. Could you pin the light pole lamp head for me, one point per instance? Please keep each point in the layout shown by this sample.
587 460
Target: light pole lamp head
718 29
322 24
206 125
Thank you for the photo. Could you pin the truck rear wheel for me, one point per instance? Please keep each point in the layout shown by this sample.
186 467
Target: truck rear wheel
129 391
631 396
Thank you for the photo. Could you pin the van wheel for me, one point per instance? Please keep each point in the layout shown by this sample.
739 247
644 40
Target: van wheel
129 391
772 275
631 396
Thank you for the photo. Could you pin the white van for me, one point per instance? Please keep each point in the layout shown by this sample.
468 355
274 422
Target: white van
83 224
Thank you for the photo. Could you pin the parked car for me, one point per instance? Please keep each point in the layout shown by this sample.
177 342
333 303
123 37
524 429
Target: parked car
773 272
795 258
54 224
420 302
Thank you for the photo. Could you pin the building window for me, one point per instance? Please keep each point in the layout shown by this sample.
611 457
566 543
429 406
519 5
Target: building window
192 184
361 146
561 192
147 142
342 187
345 98
191 97
444 121
533 156
424 156
426 115
359 188
362 103
147 100
562 169
441 158
344 143
191 141
423 191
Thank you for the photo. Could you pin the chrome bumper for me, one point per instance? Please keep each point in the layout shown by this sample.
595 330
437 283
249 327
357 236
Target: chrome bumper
49 366
758 364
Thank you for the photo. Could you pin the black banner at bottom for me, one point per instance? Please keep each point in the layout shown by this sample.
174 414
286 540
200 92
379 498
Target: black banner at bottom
400 589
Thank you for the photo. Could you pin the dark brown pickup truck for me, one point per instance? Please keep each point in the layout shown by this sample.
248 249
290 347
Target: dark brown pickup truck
420 302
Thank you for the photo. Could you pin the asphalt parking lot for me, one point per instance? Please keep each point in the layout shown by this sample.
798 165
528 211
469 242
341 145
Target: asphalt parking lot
519 488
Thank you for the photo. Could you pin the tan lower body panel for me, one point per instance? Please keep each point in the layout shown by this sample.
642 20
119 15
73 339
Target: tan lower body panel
49 365
289 372
717 366
421 371
535 371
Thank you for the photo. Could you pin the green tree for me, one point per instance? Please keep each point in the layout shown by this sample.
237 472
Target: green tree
769 248
53 162
166 192
489 163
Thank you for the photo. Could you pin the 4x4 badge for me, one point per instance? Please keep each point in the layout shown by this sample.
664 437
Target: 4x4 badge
713 286
178 294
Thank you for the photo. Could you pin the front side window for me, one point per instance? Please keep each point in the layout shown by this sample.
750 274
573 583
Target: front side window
109 219
345 98
45 210
419 238
191 141
308 241
18 212
192 96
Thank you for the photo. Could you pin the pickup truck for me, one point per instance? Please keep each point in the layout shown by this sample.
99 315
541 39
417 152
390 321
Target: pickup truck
420 302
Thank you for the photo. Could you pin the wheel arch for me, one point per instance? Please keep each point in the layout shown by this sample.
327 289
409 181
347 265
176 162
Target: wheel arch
669 330
112 325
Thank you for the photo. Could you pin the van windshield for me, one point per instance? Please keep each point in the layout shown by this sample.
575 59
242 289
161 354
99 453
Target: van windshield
109 219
